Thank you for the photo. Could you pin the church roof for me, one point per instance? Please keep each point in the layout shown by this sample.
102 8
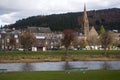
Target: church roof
93 32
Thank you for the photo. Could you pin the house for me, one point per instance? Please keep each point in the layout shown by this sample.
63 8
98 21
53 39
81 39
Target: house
45 37
9 39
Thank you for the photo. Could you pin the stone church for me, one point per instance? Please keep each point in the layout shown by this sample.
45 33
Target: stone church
89 32
86 27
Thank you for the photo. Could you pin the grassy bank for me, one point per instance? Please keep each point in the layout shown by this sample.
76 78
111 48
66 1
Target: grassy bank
58 55
61 75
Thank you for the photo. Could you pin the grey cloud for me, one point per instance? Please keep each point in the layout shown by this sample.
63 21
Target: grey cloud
4 10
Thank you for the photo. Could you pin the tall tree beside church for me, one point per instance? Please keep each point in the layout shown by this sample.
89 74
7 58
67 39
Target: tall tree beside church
102 30
101 33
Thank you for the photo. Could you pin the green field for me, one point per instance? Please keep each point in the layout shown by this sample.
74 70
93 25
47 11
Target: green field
61 75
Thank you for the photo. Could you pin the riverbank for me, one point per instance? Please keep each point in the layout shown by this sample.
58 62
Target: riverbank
57 56
61 75
56 60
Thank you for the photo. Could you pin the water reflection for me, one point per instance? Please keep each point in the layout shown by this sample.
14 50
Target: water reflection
106 66
54 66
67 65
27 67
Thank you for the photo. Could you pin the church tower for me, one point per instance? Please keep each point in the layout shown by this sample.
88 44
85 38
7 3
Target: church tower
85 22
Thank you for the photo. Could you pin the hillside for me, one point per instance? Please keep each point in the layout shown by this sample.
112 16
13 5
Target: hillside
110 18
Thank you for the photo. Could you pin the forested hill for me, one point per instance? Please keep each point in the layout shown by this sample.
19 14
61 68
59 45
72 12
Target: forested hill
110 18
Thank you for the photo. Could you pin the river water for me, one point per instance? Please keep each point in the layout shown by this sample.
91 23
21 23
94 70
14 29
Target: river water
55 66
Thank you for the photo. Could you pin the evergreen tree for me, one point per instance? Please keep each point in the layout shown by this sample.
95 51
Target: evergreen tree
102 30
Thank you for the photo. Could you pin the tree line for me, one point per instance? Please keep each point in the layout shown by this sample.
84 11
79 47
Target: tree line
59 22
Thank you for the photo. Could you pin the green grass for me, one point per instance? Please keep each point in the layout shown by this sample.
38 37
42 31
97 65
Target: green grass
58 54
61 75
63 51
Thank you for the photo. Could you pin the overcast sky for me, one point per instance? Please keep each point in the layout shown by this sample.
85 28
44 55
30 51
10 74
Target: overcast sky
13 10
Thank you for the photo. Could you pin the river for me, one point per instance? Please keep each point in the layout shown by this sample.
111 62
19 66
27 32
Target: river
56 66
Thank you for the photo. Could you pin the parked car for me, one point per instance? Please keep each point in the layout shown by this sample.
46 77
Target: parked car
55 48
20 49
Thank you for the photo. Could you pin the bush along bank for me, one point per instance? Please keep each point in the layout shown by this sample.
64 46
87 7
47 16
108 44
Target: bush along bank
58 55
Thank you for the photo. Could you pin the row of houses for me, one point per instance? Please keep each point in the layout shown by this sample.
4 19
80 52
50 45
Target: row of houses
43 35
5 35
46 38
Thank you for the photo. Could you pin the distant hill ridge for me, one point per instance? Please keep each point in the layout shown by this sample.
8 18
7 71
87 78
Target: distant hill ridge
110 18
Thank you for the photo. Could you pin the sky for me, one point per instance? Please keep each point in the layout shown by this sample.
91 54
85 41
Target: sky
13 10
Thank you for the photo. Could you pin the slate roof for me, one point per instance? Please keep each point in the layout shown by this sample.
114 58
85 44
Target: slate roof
39 29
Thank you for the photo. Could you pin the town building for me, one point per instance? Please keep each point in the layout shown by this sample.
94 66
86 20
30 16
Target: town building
45 37
89 33
9 39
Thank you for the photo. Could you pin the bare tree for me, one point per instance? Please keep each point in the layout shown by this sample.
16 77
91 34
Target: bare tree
0 44
116 40
93 40
83 43
69 36
80 42
106 40
27 40
76 42
12 42
116 43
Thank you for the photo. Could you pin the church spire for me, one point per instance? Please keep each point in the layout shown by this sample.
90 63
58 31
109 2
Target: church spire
85 22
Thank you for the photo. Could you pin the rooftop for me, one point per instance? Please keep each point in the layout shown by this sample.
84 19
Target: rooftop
39 29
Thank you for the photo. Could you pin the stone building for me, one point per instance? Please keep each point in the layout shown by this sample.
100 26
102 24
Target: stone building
9 39
88 33
45 37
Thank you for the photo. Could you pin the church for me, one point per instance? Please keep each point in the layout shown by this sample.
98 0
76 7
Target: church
90 34
87 30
